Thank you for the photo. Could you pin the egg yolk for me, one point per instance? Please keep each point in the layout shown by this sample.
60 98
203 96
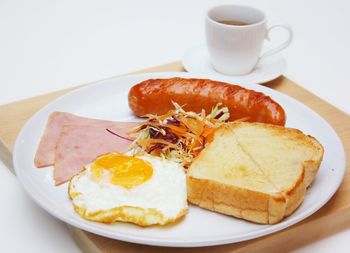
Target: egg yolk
125 171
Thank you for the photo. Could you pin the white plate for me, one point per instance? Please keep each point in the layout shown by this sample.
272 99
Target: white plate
108 100
196 60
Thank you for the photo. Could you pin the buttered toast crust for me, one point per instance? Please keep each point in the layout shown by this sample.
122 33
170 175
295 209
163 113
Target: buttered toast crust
289 169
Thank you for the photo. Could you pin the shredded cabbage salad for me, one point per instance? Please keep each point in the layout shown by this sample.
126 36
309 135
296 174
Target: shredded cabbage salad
177 135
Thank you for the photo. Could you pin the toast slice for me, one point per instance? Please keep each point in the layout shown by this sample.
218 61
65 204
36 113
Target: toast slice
254 171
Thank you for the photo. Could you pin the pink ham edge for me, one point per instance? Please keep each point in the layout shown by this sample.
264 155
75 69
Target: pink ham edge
78 146
45 155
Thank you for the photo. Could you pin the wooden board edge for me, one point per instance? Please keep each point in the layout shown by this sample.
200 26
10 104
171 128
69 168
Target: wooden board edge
169 67
6 157
82 240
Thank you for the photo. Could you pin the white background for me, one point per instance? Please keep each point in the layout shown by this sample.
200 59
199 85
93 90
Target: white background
51 45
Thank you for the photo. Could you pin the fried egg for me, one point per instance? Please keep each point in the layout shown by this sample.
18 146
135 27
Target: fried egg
144 190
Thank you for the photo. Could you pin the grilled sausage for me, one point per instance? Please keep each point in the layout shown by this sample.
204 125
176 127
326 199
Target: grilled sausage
155 96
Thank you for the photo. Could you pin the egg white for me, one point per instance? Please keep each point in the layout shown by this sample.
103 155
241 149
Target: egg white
159 200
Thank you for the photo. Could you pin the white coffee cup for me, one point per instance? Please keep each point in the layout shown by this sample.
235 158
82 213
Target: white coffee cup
236 49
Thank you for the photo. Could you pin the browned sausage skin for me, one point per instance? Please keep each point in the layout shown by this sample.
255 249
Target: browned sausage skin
155 96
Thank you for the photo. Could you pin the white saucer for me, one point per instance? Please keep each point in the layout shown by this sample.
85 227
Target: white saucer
196 60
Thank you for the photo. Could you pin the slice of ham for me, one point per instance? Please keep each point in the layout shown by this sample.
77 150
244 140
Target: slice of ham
78 146
45 155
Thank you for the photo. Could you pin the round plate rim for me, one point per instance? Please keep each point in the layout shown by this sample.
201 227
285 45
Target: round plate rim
156 242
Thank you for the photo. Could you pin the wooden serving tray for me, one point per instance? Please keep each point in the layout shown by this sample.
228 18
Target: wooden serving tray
333 217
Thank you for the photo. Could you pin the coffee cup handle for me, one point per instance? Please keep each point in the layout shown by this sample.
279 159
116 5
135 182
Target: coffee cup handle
280 47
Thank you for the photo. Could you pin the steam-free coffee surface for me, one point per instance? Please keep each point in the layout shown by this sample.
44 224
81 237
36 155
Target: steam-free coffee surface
233 22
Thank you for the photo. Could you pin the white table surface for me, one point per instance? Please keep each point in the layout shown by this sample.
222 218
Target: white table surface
50 45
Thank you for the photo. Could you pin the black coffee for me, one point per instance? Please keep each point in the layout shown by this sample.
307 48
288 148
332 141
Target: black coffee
233 22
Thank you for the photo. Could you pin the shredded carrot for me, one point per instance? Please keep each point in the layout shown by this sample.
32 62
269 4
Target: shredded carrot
155 141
